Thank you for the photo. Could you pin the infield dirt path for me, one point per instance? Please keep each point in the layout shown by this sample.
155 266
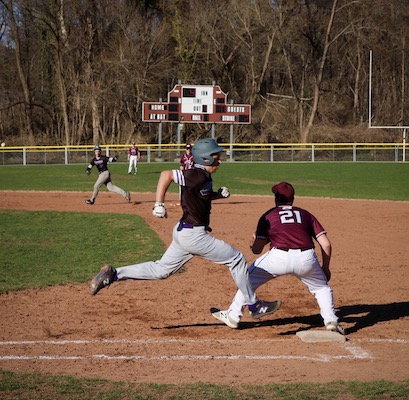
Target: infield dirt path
162 331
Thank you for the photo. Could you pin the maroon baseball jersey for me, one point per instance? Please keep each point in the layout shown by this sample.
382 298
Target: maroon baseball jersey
133 151
187 161
289 227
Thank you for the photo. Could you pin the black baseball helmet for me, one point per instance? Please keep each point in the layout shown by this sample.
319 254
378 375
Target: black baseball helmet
97 148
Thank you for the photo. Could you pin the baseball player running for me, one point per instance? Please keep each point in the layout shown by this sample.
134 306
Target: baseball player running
290 232
191 235
104 178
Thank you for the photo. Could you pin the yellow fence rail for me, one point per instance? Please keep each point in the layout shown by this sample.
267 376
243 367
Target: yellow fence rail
235 152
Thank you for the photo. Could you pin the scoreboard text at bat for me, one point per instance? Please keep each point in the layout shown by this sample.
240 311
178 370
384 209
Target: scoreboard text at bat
196 104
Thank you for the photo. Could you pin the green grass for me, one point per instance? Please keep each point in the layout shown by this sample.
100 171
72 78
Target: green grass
41 387
370 180
44 248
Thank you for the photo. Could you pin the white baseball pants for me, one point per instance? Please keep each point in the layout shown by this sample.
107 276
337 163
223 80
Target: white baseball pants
302 264
189 242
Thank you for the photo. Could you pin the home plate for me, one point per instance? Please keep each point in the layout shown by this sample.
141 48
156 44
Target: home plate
320 336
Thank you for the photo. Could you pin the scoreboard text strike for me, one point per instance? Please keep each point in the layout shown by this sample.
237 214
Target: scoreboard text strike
196 104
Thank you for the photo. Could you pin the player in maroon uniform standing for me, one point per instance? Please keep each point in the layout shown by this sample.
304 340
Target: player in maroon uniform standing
134 155
186 160
290 232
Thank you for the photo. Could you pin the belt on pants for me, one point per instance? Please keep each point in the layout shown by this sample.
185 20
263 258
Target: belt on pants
184 225
287 249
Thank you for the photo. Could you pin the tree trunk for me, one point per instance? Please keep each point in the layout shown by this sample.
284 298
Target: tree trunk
21 75
305 132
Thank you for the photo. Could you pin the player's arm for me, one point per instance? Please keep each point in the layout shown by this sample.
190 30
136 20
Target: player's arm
260 237
326 250
88 169
222 193
258 244
165 179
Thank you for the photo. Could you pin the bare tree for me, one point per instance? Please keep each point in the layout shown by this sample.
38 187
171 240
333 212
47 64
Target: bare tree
24 80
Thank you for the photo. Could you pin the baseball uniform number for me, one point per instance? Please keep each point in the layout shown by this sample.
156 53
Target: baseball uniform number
290 216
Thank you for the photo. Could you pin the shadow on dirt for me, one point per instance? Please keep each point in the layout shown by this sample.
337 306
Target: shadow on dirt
360 315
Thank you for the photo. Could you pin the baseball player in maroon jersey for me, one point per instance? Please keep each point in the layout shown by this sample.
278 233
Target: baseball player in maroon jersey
134 156
290 233
191 235
186 160
104 178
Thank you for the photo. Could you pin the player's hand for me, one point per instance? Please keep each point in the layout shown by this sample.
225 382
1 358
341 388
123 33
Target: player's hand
224 192
159 210
88 171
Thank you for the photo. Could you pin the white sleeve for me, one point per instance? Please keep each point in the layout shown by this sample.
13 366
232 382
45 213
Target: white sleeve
178 177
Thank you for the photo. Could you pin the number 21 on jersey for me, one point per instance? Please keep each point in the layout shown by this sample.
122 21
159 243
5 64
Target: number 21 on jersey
290 216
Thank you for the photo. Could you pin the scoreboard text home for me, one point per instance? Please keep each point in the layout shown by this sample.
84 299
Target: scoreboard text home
196 104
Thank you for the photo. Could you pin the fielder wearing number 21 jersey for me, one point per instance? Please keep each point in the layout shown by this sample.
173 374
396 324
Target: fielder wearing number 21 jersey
289 227
290 233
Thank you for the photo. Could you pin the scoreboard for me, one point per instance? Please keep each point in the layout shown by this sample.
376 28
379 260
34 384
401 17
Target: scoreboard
196 104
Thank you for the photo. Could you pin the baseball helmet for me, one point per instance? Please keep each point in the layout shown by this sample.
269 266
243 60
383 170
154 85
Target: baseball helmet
284 192
97 148
203 150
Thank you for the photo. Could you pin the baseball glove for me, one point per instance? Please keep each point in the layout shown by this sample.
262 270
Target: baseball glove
159 210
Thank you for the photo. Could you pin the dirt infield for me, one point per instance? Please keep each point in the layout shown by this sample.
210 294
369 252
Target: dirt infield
162 331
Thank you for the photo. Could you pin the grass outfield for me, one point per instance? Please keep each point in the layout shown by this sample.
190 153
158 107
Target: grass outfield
378 181
50 247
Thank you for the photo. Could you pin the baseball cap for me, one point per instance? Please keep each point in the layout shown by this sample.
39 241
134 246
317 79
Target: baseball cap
284 192
188 146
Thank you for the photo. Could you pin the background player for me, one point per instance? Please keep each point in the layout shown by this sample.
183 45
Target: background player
191 235
187 160
290 232
134 156
104 178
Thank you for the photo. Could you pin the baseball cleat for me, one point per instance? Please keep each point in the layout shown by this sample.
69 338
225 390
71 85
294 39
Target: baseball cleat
90 201
262 308
223 315
128 196
104 278
335 327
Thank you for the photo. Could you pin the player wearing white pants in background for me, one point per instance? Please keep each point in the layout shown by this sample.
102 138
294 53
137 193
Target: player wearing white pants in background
134 156
290 232
191 235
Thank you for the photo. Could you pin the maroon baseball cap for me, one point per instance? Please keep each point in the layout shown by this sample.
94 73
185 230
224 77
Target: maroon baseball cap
284 191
